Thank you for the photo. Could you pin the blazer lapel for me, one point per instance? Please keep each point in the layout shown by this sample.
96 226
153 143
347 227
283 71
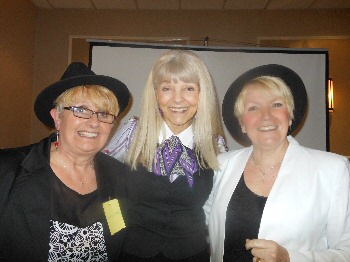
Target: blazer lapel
37 208
36 197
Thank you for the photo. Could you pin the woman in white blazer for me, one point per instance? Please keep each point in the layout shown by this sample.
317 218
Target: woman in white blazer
276 200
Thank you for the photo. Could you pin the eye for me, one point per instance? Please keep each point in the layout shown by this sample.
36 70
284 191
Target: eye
164 88
277 104
103 114
252 108
80 110
190 88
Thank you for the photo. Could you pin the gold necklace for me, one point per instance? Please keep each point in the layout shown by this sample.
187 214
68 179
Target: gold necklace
264 173
61 159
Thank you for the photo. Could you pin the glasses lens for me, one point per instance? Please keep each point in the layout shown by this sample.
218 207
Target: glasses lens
82 112
105 117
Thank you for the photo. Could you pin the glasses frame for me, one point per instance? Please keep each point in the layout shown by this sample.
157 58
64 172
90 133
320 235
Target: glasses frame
98 114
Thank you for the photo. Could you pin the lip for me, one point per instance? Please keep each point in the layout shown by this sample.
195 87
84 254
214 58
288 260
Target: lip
87 134
267 128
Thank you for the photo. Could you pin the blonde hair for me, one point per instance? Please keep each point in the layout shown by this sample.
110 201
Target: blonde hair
188 67
103 98
271 85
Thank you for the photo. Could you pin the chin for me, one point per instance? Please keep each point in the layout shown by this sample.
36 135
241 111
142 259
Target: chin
270 141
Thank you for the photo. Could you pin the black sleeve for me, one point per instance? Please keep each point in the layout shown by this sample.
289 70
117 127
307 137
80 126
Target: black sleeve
10 163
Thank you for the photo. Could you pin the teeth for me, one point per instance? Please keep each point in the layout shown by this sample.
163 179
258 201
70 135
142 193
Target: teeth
267 128
182 109
88 134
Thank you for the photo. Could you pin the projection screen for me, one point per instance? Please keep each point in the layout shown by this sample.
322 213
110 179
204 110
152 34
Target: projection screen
132 62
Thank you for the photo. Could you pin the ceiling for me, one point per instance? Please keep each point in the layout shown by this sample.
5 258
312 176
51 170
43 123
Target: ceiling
193 4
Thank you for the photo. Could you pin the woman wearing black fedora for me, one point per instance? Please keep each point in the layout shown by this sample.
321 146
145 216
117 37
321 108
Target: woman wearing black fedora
276 200
60 198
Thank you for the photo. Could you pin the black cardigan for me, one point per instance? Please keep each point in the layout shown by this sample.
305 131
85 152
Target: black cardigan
166 217
25 202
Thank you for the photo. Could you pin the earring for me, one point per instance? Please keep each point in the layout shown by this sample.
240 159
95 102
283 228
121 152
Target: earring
161 112
56 143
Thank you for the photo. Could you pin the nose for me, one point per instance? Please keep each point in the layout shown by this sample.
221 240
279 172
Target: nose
178 96
266 113
93 120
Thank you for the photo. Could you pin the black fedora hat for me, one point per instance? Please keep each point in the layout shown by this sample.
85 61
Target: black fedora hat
291 78
77 74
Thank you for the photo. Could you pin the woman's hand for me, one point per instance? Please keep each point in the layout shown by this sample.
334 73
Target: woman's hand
267 250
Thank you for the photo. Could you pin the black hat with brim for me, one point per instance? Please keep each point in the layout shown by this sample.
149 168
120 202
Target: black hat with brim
77 74
291 78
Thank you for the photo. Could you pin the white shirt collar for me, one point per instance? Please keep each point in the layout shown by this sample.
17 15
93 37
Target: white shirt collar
186 137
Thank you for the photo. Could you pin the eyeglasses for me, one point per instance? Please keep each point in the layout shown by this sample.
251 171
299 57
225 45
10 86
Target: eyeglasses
83 112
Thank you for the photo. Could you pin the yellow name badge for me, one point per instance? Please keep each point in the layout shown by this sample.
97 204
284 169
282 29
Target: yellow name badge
114 216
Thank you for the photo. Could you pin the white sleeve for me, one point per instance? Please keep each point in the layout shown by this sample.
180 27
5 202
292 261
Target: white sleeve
119 144
218 174
338 222
207 206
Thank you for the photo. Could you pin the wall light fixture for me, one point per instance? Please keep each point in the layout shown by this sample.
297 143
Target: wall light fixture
330 95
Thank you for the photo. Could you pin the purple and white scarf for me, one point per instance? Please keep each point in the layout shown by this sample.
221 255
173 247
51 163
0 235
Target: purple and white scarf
174 159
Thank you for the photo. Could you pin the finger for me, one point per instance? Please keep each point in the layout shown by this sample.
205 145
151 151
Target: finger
252 243
258 253
259 243
257 259
246 242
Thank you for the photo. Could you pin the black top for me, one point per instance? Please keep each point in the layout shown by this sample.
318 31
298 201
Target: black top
70 207
165 217
77 218
243 217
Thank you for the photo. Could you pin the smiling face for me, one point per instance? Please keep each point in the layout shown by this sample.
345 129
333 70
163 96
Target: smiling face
78 135
178 102
81 136
265 117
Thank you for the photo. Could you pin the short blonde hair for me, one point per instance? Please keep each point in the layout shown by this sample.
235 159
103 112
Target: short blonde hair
103 98
271 85
186 66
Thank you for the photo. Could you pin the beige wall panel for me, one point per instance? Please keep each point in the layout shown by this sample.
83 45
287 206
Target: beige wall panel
17 41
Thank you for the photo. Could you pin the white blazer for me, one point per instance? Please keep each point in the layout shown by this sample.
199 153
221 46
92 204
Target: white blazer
307 211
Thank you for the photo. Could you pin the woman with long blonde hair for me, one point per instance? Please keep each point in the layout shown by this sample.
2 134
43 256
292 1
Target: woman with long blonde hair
172 151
